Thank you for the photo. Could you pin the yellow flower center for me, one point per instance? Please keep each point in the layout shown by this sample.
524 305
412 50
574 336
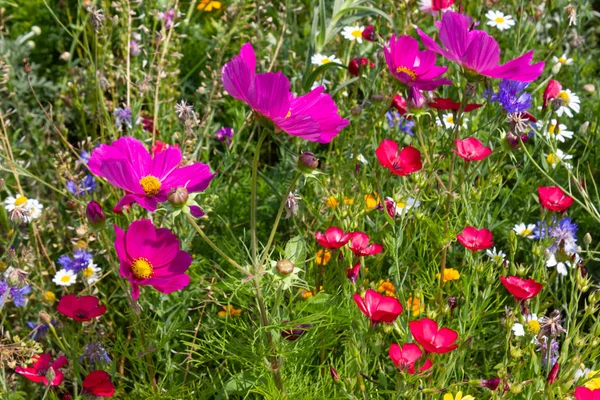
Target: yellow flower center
400 204
289 113
564 96
66 278
533 326
20 201
450 119
552 159
88 272
552 129
408 72
562 60
142 269
526 232
357 33
151 185
500 20
325 61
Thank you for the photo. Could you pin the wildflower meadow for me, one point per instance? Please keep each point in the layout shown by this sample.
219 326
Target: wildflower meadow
299 199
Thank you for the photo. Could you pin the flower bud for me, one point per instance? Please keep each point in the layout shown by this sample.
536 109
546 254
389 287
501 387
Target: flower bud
356 63
48 298
378 98
285 267
94 214
50 375
416 98
584 128
590 88
178 196
552 90
587 239
491 384
368 33
308 161
45 317
356 111
334 373
553 373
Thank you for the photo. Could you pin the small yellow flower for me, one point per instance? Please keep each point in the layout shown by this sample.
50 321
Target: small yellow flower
386 287
593 383
459 396
48 298
209 5
414 304
450 274
348 200
229 311
323 259
533 326
305 294
332 202
371 200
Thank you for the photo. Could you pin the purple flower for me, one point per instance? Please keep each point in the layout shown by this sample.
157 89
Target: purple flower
123 117
87 185
542 343
81 260
224 134
19 295
294 334
95 353
168 17
134 48
396 120
85 156
38 330
512 96
564 235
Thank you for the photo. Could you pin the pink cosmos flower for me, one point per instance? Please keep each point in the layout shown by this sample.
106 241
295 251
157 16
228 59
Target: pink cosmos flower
378 307
412 67
477 52
401 164
431 338
313 117
404 357
471 149
475 239
84 308
554 199
359 244
151 256
334 238
522 289
41 364
583 393
147 180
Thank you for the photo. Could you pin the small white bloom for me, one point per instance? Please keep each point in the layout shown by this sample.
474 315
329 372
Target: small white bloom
497 256
91 273
21 209
499 20
582 372
557 131
518 329
563 264
554 159
360 158
448 121
64 277
353 33
322 82
403 206
569 101
35 208
562 60
531 324
320 59
525 230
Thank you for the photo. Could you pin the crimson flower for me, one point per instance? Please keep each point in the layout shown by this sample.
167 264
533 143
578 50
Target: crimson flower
431 338
404 357
441 103
552 90
554 199
368 33
553 373
356 63
583 393
161 146
334 238
401 164
377 307
522 289
98 383
399 103
359 244
471 149
81 309
352 273
475 239
41 364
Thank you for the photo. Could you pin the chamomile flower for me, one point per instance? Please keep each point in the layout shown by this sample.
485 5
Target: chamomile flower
402 206
91 273
562 60
570 103
560 156
557 131
531 323
21 209
64 277
35 208
320 59
562 262
497 256
353 33
525 230
447 121
323 82
499 20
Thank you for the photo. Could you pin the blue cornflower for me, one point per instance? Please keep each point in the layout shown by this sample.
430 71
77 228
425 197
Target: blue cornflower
94 353
512 96
38 330
123 117
85 157
3 289
16 293
87 185
81 260
565 236
396 120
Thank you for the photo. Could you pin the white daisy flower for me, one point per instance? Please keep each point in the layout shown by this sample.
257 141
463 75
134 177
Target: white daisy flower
554 159
532 324
21 209
569 101
35 208
322 82
562 60
320 59
563 262
525 230
64 277
499 20
558 131
448 121
582 372
403 206
91 273
497 256
353 33
360 158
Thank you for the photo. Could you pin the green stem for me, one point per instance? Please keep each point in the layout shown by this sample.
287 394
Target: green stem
254 189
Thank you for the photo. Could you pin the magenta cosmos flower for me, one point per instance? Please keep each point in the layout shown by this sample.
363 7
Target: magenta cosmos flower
405 357
377 307
431 338
583 393
359 245
37 372
412 67
151 256
333 238
477 52
313 117
128 165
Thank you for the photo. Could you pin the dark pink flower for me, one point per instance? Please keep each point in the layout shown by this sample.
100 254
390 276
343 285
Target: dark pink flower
431 338
522 289
552 90
399 103
356 63
583 393
401 164
368 33
404 357
434 6
553 373
41 364
313 116
147 180
151 256
161 146
84 308
352 273
377 307
471 149
334 238
97 383
475 239
554 199
359 244
446 104
478 52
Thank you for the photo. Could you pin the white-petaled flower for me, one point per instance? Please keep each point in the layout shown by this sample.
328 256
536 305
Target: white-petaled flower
562 60
562 262
496 256
21 209
353 33
582 372
499 20
320 59
569 101
91 273
404 205
558 131
560 156
360 158
531 323
322 82
525 230
448 121
35 208
64 277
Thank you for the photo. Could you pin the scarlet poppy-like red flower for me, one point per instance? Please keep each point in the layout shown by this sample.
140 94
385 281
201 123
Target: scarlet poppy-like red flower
98 383
554 199
475 239
161 146
437 5
431 338
41 364
378 307
399 103
471 149
404 357
356 63
583 393
522 289
553 373
552 90
80 309
441 103
359 244
334 238
352 273
368 33
403 163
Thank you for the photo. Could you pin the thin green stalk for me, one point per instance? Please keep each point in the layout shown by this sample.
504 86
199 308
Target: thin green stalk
254 189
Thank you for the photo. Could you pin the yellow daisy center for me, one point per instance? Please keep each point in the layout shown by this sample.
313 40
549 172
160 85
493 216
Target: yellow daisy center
142 269
552 129
65 279
408 72
325 61
564 96
552 158
357 33
450 119
20 201
526 232
88 272
151 185
562 60
400 204
500 20
533 326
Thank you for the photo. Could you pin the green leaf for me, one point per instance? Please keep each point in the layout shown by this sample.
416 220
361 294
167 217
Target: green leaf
295 251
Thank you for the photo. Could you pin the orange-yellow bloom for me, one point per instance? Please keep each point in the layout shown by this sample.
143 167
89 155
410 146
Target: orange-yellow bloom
371 200
209 5
323 259
450 274
229 311
414 304
386 288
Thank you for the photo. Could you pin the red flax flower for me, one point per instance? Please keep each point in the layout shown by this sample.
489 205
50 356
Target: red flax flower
403 163
38 370
84 308
399 103
356 63
378 307
471 149
352 273
475 239
431 338
552 90
334 238
554 199
359 244
98 383
583 393
404 357
522 289
441 103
